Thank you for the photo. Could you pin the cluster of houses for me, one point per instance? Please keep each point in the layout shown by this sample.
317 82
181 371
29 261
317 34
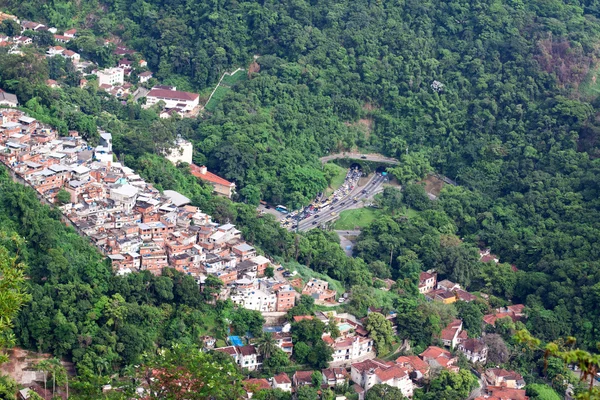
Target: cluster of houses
127 219
445 291
405 373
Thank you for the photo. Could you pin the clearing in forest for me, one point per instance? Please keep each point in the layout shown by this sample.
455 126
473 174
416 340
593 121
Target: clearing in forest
225 84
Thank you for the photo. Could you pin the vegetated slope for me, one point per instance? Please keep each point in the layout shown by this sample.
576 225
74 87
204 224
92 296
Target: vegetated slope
506 123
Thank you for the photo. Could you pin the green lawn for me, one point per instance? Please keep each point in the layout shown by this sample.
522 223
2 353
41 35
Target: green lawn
216 98
223 88
360 217
589 88
230 80
338 179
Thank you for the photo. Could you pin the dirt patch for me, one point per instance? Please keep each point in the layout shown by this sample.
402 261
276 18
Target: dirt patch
369 107
21 367
433 185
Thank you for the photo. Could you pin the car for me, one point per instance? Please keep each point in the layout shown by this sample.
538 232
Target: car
268 207
341 300
316 215
363 157
342 203
314 222
333 213
364 191
280 269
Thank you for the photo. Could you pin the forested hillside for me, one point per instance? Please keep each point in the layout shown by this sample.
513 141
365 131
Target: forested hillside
514 120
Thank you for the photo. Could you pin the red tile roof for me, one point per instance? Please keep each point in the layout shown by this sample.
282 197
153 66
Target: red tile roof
282 378
413 362
229 350
173 94
71 31
253 384
395 372
298 318
247 350
208 176
303 376
502 393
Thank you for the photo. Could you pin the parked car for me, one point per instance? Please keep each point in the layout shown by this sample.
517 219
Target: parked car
280 269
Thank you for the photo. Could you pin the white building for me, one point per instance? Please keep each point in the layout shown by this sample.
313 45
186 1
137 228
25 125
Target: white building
172 98
283 382
55 51
254 299
111 76
182 152
351 349
372 372
125 195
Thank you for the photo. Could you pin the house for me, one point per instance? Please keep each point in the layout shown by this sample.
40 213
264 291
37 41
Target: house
437 357
450 335
62 39
302 378
71 55
372 372
32 26
448 285
145 76
417 368
352 348
172 98
319 290
335 376
427 282
253 385
110 76
474 349
8 99
70 33
52 83
441 295
514 312
55 51
503 378
248 357
503 393
221 186
125 63
283 382
142 63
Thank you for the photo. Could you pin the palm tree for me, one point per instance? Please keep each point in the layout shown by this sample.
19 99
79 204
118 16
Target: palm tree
266 344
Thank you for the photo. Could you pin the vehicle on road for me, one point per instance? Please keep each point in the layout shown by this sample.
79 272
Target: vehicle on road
333 213
281 209
280 269
363 157
314 222
316 215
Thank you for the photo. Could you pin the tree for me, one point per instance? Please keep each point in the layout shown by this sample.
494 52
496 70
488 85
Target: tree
182 372
272 394
316 379
307 393
269 272
384 392
538 391
448 386
380 330
498 352
412 167
276 363
472 317
10 27
12 287
266 344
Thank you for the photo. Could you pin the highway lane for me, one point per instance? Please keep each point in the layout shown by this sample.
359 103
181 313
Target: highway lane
373 186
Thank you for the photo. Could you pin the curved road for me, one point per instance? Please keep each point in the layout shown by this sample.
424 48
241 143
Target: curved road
373 186
358 156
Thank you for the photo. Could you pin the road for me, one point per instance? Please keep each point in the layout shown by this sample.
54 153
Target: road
358 156
373 186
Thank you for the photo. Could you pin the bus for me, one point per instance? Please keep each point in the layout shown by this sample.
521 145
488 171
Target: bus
281 209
